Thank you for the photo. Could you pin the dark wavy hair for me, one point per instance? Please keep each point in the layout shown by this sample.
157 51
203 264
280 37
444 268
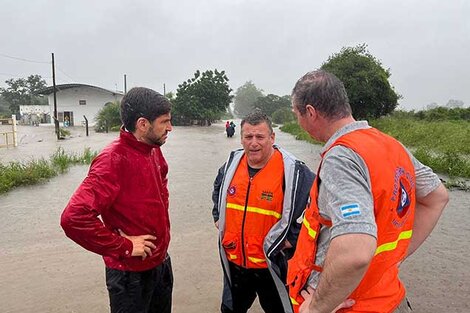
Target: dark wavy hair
142 102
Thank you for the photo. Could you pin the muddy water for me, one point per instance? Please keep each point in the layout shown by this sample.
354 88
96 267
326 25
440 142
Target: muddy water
43 271
40 142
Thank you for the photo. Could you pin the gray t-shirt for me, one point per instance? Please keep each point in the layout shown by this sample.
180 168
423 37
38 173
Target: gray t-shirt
345 183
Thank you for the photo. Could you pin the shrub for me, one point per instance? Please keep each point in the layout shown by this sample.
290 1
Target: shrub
109 117
16 174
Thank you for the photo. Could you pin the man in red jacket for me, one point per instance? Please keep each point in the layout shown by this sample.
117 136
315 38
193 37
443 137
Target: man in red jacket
127 187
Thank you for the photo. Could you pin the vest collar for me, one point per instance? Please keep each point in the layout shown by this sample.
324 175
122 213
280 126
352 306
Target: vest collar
343 131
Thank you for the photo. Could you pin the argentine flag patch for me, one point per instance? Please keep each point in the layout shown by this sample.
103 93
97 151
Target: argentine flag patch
350 210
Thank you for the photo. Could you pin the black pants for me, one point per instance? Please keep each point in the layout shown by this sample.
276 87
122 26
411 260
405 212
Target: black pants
141 292
246 284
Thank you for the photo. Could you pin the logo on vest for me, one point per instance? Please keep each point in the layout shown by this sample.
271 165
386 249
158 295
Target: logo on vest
267 195
402 190
232 190
404 202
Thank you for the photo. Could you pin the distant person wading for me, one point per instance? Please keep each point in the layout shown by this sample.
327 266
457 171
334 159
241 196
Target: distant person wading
230 129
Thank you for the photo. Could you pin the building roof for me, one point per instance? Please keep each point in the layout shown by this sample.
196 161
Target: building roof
50 89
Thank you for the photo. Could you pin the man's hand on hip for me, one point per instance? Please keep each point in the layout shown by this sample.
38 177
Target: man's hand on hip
141 245
308 296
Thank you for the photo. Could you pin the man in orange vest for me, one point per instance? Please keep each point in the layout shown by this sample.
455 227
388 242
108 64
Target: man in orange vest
372 205
259 196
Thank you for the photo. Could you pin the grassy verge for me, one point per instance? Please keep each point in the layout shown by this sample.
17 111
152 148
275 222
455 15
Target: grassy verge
442 145
294 129
15 174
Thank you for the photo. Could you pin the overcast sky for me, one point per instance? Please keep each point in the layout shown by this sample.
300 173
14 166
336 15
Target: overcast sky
425 44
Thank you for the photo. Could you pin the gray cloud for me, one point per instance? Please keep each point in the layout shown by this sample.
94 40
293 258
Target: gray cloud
272 43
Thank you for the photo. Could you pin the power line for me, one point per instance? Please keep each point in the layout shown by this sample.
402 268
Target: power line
64 73
22 59
22 76
10 75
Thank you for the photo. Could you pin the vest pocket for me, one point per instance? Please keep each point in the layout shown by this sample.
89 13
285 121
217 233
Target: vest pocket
231 246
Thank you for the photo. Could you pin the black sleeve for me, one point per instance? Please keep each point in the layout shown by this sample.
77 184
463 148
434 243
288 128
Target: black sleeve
215 193
306 178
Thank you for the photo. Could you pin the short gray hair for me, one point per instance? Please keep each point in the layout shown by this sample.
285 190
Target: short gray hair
325 92
257 117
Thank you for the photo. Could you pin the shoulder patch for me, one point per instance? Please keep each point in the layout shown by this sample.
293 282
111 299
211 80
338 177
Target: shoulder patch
350 210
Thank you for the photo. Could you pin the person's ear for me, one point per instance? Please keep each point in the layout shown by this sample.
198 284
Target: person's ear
310 111
141 124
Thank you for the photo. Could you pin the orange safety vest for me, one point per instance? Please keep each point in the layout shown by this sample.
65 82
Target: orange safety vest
392 179
254 205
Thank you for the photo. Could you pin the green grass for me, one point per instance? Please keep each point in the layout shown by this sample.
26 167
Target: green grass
438 136
442 145
294 129
15 174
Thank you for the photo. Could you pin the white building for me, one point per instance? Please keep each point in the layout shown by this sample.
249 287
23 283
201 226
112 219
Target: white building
74 101
34 114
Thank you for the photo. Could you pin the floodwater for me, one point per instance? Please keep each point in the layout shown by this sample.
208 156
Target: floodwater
43 271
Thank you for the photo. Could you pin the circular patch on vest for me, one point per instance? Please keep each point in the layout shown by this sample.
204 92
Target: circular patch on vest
231 190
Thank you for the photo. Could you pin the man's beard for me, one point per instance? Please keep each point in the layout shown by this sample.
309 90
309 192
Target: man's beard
159 141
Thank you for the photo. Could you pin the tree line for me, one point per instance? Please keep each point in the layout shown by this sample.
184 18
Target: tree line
206 97
21 91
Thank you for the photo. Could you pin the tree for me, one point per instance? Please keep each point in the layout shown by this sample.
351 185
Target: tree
452 103
203 98
366 81
431 106
170 95
245 98
109 117
271 103
23 91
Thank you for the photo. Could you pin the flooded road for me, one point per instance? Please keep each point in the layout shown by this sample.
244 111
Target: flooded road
43 271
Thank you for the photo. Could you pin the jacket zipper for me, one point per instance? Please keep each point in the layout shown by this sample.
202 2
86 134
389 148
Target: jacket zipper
243 223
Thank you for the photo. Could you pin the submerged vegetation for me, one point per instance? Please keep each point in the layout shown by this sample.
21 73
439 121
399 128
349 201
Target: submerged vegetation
441 143
15 174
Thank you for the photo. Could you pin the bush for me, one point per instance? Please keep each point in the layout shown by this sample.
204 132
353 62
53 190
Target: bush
109 117
63 132
16 174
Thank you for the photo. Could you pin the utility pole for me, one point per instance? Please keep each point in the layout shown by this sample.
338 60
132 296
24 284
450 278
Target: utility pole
164 90
125 83
56 120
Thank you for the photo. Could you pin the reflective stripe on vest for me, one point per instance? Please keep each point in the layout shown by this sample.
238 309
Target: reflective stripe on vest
256 260
389 246
232 256
253 209
312 233
292 300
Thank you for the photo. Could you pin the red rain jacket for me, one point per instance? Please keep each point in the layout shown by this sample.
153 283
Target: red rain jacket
127 187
